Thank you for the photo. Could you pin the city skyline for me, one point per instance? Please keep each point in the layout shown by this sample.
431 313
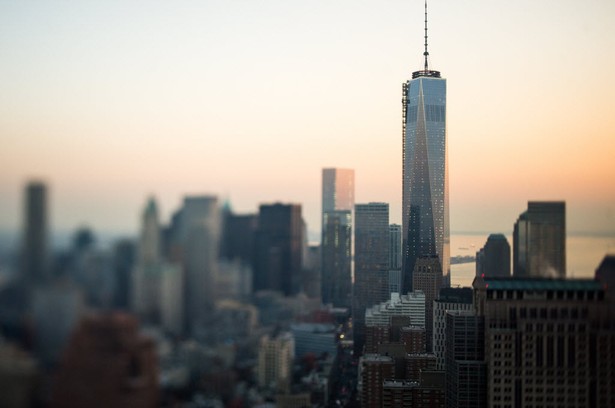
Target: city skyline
107 105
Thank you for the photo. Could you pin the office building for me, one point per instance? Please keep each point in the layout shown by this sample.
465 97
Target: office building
146 284
548 342
427 392
427 277
425 198
395 275
336 252
493 259
466 369
374 369
275 360
539 241
336 239
107 364
371 263
453 299
196 232
279 243
35 245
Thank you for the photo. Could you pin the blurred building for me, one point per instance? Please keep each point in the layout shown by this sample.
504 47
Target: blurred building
548 342
19 377
238 235
371 264
494 258
56 309
279 241
314 338
107 364
124 259
146 283
197 240
171 294
336 241
449 299
539 241
275 358
35 246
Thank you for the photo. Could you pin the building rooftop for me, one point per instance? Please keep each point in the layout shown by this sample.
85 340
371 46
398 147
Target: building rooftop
535 284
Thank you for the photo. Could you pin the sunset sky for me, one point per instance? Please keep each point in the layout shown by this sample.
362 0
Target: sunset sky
112 101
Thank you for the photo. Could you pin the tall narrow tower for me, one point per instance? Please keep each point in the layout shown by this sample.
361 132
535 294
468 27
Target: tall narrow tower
425 214
336 243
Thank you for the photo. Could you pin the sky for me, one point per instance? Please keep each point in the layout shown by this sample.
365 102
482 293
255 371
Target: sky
111 102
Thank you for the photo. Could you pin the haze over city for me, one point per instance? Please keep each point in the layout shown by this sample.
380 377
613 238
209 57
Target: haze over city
111 102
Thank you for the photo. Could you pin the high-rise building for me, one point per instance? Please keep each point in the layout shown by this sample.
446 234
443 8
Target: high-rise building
279 240
336 241
425 202
336 252
466 369
146 284
374 369
371 263
427 278
539 240
548 342
35 250
275 359
395 258
197 233
449 299
494 258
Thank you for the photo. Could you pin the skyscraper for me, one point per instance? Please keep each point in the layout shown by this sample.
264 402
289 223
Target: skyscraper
35 256
494 258
336 251
146 286
539 240
371 263
425 211
279 240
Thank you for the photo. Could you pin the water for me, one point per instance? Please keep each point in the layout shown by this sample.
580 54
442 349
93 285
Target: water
583 255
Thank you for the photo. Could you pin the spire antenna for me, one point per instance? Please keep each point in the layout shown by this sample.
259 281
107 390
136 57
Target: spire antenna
426 53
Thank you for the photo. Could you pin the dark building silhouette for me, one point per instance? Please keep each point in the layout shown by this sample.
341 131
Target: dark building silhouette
124 256
35 249
371 264
494 258
336 258
279 239
466 369
238 234
107 364
336 238
605 273
539 240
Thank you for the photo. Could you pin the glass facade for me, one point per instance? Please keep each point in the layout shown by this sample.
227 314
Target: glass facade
425 204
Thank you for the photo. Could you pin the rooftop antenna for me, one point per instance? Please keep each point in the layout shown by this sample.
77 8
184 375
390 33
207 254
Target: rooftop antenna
426 53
